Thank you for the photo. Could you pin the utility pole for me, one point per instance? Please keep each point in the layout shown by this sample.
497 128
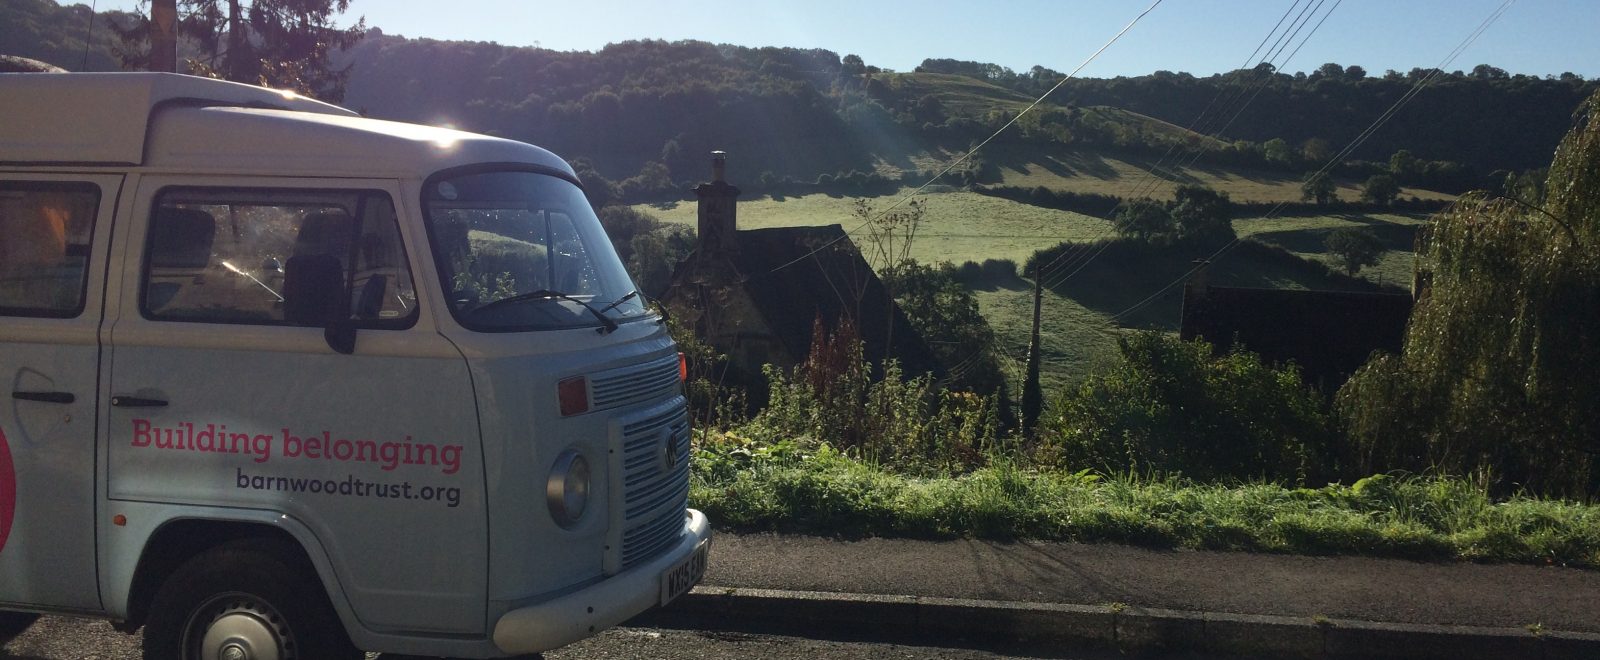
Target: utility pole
164 36
236 40
1032 396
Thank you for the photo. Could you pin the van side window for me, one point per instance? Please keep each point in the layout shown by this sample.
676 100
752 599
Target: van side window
45 229
276 257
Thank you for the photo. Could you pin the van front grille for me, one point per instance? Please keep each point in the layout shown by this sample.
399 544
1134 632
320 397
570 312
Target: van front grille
655 481
618 387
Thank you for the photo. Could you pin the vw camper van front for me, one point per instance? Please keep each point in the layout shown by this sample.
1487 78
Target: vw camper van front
534 285
330 383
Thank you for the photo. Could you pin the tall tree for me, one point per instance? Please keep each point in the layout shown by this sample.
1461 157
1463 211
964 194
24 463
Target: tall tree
1144 219
1354 247
1277 150
1319 187
1380 189
284 44
1497 375
1202 214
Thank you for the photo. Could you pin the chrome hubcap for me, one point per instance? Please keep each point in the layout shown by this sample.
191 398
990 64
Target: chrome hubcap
244 628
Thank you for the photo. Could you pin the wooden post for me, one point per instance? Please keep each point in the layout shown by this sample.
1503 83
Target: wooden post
1032 395
164 36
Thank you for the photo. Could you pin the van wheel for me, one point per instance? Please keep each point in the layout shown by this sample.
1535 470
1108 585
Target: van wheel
244 601
13 623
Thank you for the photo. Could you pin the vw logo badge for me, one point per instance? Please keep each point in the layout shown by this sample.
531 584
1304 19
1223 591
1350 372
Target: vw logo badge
669 451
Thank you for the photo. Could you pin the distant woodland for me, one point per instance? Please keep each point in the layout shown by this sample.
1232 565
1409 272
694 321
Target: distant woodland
643 114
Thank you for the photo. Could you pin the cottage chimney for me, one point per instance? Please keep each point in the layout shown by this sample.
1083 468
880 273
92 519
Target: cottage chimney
717 211
1200 280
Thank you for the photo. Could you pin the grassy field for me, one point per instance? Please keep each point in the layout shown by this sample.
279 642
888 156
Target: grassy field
1305 237
1073 339
960 95
957 226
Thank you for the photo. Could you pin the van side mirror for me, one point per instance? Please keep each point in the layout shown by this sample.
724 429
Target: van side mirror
314 295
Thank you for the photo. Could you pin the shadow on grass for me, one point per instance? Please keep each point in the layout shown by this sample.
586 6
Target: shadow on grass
1149 280
999 283
1395 237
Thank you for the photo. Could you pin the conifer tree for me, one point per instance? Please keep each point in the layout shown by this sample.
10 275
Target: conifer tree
284 44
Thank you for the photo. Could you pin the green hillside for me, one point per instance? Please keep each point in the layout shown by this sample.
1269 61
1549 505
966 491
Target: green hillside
960 96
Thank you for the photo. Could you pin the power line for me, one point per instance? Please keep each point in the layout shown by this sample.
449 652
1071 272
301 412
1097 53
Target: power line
1075 255
980 145
1210 125
1352 146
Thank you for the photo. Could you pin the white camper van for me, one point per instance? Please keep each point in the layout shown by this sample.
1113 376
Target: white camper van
286 382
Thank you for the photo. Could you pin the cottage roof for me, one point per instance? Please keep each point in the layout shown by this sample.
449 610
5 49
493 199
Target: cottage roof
828 283
1329 334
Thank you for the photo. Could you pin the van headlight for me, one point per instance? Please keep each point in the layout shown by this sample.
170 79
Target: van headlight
567 491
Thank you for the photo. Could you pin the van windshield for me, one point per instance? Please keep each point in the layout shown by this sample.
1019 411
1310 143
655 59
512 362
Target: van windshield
520 250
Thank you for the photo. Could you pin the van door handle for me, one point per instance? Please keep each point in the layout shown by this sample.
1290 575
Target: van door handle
45 397
136 402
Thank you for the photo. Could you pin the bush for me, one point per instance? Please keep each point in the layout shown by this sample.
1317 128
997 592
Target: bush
945 314
910 424
649 247
1173 407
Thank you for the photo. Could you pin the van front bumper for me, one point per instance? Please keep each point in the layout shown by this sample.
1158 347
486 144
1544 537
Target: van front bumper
561 621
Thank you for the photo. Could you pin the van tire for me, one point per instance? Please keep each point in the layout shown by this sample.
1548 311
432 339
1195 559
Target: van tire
251 589
13 623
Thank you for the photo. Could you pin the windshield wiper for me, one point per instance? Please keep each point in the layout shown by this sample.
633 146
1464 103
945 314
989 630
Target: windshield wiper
665 316
606 324
631 295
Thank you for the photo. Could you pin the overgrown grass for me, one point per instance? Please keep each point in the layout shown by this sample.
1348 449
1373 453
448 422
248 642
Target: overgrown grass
802 486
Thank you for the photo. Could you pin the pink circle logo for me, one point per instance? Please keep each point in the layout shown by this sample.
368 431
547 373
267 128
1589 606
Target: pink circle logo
8 491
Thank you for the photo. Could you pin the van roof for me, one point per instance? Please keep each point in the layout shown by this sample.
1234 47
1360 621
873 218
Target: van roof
171 120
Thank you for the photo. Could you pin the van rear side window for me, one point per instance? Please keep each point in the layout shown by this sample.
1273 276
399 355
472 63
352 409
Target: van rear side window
225 256
45 228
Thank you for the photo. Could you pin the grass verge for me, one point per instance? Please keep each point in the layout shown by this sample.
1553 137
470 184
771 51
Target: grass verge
811 488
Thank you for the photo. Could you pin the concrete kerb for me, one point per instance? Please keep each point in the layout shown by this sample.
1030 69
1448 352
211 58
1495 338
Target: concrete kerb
913 618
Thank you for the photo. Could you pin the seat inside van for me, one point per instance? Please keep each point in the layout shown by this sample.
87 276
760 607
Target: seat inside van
180 251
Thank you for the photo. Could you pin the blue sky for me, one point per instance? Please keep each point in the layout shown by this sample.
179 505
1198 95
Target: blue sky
1535 37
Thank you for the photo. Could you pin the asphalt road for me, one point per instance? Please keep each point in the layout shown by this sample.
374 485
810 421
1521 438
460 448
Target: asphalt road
61 638
1356 588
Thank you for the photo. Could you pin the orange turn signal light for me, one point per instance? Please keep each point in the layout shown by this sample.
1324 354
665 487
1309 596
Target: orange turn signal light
574 395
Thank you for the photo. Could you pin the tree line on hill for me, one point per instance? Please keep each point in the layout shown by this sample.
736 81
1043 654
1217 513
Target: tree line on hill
1448 119
643 114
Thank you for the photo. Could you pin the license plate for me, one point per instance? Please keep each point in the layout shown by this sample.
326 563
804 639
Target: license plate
679 579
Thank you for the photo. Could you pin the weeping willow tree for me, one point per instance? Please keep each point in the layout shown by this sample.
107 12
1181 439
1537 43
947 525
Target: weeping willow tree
1500 374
